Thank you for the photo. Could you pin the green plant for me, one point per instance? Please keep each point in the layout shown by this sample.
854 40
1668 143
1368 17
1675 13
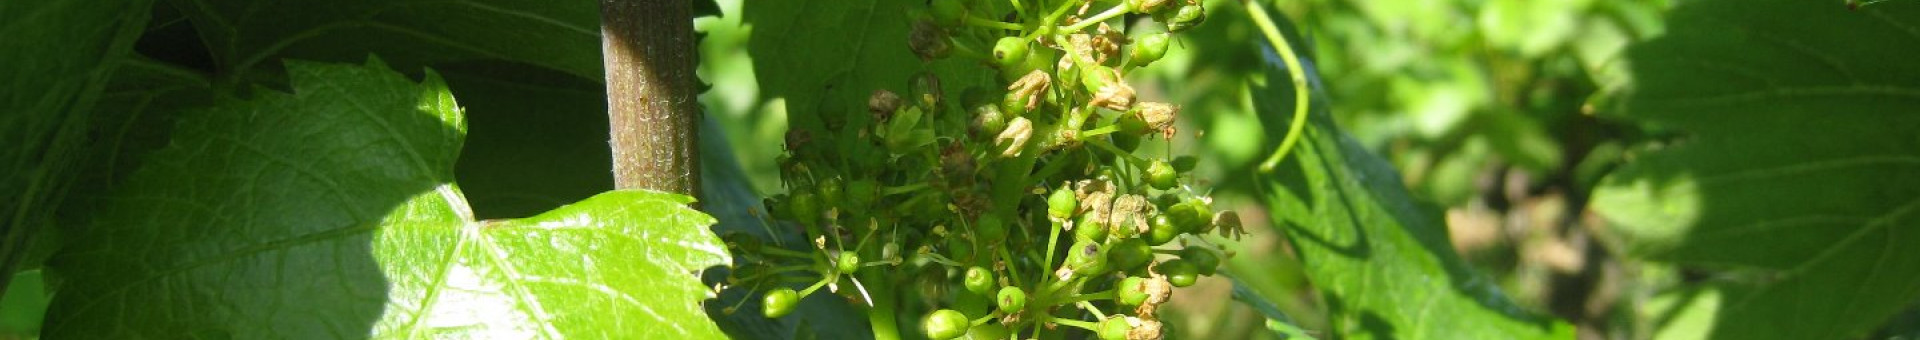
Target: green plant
980 169
973 195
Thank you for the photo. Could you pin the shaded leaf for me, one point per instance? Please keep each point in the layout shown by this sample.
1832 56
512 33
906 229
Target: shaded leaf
55 59
1382 261
329 212
826 57
1797 167
243 35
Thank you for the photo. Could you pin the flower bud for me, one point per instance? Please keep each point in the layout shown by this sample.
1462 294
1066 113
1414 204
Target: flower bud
882 104
924 90
928 41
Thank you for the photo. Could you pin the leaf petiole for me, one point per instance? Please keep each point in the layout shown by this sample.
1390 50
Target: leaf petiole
1300 98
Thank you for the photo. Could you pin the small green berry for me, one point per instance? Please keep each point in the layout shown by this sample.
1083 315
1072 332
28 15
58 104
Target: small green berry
1131 291
1089 229
1130 254
1148 48
849 262
1010 52
1204 260
1179 272
988 119
1014 104
1162 230
1062 203
779 302
832 191
1192 216
1011 299
1132 131
806 207
1186 17
979 280
1161 175
949 12
946 324
1185 163
1115 328
1087 258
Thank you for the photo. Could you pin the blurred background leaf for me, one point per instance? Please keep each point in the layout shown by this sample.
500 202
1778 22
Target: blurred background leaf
1790 180
1380 259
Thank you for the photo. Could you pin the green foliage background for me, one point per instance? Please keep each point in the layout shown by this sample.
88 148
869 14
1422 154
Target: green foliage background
1631 169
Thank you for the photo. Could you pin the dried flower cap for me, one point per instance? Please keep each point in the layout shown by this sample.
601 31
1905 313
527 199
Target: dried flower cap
928 41
1015 136
1131 210
1229 223
1116 96
882 104
1105 44
1159 116
796 138
1146 329
1031 86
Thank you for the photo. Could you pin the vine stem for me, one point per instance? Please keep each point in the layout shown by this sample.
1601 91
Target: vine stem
1300 99
1096 19
881 317
648 50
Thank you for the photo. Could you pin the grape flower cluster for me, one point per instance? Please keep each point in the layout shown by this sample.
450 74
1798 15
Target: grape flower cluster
1016 209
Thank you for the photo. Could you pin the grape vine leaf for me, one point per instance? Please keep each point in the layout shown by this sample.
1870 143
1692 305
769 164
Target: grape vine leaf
242 34
330 212
1795 170
58 57
1382 261
826 57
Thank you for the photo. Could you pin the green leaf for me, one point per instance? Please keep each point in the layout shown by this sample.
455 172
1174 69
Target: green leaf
1382 261
536 138
826 57
58 56
1796 169
330 212
243 35
1277 321
592 269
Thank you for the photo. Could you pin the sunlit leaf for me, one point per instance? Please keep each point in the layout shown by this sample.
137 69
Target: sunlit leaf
330 212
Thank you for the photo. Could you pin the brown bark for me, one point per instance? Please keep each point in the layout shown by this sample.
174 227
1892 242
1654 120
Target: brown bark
648 46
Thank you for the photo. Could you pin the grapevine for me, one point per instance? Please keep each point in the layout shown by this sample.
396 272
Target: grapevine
1014 210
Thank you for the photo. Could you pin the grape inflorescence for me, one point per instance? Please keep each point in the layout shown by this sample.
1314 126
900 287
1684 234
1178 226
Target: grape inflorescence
1014 209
